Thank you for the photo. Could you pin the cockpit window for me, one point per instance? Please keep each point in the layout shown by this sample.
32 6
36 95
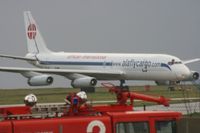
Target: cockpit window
172 62
165 126
133 127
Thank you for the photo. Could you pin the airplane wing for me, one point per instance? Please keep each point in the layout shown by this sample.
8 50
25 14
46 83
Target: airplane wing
17 57
191 61
99 74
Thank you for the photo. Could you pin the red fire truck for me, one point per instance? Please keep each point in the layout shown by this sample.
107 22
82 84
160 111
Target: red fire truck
77 116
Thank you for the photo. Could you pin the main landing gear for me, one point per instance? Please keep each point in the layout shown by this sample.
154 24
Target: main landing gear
122 82
88 89
122 87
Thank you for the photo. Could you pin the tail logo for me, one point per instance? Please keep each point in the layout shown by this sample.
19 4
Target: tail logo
31 31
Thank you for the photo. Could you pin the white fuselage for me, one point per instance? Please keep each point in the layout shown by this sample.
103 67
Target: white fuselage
133 66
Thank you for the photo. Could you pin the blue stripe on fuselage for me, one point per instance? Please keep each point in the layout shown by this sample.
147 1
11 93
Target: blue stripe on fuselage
165 65
86 63
76 63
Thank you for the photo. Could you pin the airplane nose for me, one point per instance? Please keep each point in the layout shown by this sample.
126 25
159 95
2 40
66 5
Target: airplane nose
186 73
183 73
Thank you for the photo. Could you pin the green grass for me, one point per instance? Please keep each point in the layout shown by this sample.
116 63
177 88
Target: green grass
49 95
196 114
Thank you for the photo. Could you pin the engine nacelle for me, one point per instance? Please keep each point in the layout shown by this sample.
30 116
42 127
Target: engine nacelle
193 76
40 80
84 82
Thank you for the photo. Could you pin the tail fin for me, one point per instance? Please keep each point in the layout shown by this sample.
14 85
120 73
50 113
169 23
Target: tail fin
35 42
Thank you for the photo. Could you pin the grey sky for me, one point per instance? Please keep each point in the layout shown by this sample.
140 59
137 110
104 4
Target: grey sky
125 26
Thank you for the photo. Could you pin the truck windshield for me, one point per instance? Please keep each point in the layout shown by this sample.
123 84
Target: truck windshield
165 126
132 127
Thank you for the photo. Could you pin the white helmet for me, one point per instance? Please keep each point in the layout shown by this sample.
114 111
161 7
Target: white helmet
30 100
82 95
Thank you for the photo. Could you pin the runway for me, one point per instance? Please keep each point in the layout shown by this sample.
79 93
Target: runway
184 108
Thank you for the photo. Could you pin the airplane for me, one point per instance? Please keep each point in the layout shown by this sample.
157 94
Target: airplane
85 69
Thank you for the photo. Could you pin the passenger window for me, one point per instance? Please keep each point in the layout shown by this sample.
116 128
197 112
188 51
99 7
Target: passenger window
165 127
132 127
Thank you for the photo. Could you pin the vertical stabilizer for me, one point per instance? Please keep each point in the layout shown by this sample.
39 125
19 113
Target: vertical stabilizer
35 42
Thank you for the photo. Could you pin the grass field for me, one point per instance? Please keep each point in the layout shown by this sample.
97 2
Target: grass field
54 95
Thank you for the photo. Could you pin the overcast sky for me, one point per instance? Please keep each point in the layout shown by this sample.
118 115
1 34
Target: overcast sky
125 26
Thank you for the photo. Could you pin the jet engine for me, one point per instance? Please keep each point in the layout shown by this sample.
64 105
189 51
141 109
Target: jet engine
84 82
193 76
40 80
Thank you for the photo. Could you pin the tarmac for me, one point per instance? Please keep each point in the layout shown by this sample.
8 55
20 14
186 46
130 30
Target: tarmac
184 108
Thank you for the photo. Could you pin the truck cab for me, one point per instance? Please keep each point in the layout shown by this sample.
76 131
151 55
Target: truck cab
145 121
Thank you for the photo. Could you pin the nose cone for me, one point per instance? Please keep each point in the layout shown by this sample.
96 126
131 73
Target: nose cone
183 72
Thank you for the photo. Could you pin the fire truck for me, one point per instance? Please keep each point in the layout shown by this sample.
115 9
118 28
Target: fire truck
78 116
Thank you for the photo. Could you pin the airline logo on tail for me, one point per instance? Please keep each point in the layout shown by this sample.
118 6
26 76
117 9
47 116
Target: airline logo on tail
31 31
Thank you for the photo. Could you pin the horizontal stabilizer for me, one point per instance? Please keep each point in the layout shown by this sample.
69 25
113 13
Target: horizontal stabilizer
17 57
